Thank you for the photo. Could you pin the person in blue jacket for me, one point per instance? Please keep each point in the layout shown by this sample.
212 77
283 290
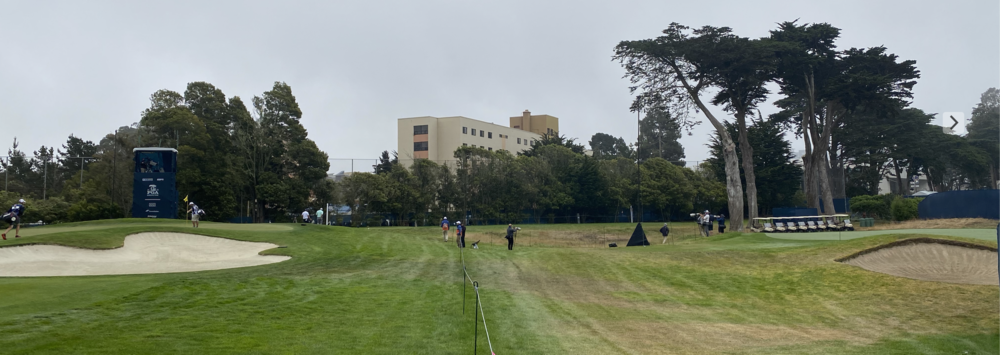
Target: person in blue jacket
721 218
13 216
460 234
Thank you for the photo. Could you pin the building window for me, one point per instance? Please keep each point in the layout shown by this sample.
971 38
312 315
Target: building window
490 135
491 149
465 144
473 131
550 131
519 141
419 146
422 129
465 130
481 133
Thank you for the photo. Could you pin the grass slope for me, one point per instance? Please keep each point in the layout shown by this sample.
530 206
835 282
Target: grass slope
399 290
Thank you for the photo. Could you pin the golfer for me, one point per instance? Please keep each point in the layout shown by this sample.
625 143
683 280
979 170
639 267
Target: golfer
13 216
319 216
195 213
510 236
666 232
444 228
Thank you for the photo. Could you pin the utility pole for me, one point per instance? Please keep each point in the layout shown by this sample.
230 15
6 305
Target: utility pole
638 156
45 176
82 161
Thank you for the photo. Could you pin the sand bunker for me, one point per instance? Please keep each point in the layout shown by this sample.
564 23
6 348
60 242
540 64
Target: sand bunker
931 260
143 253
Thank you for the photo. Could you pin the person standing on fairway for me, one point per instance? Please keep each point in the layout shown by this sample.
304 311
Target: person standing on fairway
722 223
460 234
195 213
444 228
666 232
13 216
510 236
305 216
319 216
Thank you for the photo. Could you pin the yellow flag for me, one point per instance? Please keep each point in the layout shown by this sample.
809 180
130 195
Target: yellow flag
185 198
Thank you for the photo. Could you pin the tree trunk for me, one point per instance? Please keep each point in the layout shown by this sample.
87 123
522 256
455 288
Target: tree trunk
808 178
748 171
734 188
823 174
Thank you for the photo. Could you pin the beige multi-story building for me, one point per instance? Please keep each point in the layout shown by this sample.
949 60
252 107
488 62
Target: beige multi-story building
437 138
538 124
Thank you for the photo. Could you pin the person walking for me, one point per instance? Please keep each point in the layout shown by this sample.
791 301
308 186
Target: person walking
460 234
444 228
666 232
195 212
701 222
319 216
305 216
510 236
13 217
722 223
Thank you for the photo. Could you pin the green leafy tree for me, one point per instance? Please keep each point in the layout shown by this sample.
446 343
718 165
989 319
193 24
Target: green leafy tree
666 187
984 131
660 134
669 74
605 146
779 176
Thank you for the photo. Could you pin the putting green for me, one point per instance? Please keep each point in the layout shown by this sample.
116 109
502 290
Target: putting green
982 234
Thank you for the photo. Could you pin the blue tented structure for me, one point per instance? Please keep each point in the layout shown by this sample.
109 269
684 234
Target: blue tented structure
961 204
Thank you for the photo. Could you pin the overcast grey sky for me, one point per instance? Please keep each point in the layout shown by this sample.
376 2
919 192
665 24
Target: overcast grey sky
87 67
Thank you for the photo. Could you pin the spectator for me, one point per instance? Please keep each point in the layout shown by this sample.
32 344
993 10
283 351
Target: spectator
666 232
510 236
319 216
305 216
460 234
444 228
706 221
722 223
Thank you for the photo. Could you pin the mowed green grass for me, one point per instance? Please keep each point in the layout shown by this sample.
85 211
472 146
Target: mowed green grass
400 290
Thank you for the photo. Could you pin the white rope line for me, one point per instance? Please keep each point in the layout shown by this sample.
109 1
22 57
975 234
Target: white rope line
479 300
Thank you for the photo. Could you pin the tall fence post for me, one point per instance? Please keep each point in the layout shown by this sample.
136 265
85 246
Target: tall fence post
475 344
463 287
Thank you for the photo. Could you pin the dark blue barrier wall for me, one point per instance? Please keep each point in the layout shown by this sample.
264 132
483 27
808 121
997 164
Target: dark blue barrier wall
793 212
961 204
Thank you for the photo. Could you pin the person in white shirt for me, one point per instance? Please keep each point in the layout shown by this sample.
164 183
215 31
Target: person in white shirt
195 213
305 216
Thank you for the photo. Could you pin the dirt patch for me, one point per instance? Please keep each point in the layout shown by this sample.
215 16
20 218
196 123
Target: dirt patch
931 259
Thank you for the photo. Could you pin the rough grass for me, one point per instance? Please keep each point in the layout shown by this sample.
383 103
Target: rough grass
400 290
949 223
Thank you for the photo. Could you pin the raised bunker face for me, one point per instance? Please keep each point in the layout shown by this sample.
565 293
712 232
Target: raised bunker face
931 260
143 253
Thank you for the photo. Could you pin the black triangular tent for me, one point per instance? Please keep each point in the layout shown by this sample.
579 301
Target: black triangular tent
638 237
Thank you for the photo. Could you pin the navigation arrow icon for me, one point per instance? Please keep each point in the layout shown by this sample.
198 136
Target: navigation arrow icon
953 120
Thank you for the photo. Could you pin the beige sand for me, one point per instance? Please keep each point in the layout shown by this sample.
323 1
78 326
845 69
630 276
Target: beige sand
143 253
933 262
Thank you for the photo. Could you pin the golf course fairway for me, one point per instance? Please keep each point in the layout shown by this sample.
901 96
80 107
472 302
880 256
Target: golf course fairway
399 290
